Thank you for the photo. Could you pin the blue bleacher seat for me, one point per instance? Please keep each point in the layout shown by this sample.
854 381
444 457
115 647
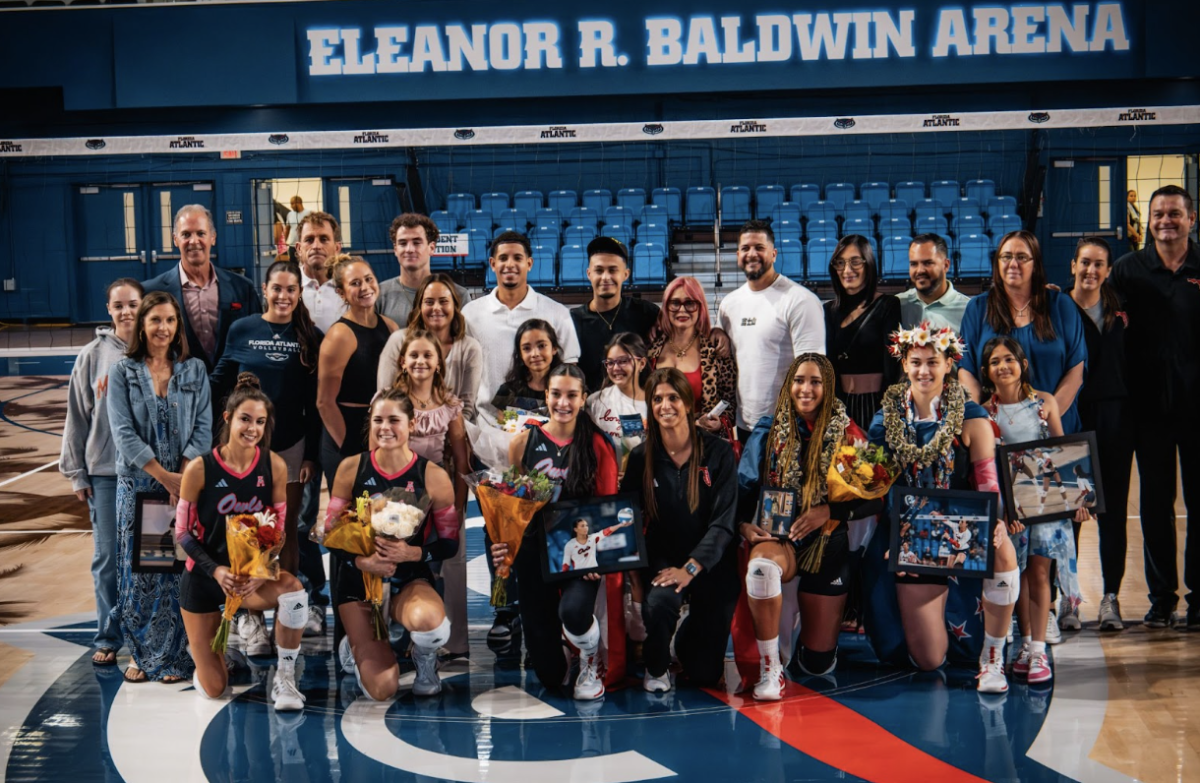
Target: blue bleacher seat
562 200
573 266
788 210
653 233
579 235
700 209
838 193
861 226
822 228
528 200
622 216
911 191
632 199
477 247
446 222
477 218
513 217
618 231
584 216
766 198
804 194
598 199
974 256
895 226
653 213
964 206
547 236
791 259
649 263
967 224
894 208
459 204
818 252
875 193
545 266
819 210
945 190
672 200
735 205
930 207
999 225
494 204
857 210
894 265
874 247
786 229
500 229
980 189
931 225
547 217
1001 205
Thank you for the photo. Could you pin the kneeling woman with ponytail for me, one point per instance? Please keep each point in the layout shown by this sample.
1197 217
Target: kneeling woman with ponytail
240 475
415 604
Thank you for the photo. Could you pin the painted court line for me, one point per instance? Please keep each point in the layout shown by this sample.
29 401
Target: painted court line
28 473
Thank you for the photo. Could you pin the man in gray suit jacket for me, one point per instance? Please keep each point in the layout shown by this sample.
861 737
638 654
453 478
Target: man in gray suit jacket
210 298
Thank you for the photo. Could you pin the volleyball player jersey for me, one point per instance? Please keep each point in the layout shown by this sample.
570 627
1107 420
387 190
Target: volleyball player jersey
375 481
962 540
545 455
226 493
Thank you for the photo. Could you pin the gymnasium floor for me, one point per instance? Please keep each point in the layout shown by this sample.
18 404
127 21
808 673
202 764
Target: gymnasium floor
1123 706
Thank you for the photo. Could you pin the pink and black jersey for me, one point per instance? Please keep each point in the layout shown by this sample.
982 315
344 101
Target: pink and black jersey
226 492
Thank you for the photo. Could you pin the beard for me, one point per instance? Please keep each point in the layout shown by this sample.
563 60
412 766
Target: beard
756 274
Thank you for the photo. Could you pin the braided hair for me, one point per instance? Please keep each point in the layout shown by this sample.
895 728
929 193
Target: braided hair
785 443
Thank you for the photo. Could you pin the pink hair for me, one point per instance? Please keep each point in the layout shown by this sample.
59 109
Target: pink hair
692 288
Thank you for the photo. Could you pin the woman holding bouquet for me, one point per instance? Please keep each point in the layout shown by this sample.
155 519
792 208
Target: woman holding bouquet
240 476
569 449
943 440
688 478
798 445
161 416
415 604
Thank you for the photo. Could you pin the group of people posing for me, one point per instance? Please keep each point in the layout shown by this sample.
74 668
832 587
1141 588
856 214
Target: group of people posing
330 373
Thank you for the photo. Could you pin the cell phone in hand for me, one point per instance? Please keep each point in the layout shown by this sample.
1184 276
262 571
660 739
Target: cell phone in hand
717 410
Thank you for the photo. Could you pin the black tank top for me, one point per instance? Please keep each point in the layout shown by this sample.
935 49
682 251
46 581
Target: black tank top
359 377
226 493
375 482
545 456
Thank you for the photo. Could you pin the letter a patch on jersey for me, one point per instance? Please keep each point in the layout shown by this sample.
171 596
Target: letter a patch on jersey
262 481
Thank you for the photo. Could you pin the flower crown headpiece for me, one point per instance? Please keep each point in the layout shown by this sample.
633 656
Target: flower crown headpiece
943 340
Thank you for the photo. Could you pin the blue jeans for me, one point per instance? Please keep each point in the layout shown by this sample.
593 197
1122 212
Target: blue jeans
102 508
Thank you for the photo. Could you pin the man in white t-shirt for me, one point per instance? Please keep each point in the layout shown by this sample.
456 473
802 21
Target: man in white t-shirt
770 321
495 318
294 218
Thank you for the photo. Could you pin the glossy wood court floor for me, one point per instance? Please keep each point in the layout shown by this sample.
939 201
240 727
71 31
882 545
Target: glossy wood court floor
1123 706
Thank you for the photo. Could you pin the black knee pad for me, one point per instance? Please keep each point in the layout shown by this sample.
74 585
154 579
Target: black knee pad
814 662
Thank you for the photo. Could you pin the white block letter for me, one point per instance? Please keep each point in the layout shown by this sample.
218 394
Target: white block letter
321 61
596 37
663 43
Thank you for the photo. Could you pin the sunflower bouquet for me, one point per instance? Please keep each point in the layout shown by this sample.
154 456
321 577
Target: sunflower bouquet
508 502
254 542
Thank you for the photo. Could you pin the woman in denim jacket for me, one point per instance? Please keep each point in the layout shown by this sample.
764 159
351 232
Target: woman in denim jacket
159 407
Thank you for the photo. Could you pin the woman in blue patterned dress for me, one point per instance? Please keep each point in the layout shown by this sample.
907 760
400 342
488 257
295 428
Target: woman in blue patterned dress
161 417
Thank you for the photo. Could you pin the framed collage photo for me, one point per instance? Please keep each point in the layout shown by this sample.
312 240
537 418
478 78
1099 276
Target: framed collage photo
154 535
593 536
942 532
777 510
1048 480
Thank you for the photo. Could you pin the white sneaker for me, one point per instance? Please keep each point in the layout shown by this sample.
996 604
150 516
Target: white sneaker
652 684
285 695
346 655
1053 635
427 682
252 630
991 673
315 625
770 680
589 685
1068 616
1110 614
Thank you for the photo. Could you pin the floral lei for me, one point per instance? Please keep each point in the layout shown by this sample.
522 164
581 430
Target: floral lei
793 473
901 433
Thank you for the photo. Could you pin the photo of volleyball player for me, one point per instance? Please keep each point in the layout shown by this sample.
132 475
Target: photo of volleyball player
571 548
943 533
1047 479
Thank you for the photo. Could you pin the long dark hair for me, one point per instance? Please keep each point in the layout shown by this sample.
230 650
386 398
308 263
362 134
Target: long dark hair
248 388
989 388
458 324
785 439
999 306
518 373
1108 295
177 351
632 344
679 382
583 464
306 330
870 273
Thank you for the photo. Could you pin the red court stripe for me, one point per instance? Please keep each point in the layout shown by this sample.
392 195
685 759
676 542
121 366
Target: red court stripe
832 733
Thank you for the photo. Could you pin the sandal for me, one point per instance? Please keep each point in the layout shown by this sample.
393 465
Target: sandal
171 679
134 674
104 656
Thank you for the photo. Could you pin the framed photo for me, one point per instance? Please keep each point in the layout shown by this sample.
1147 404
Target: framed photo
1048 480
154 535
942 532
777 510
593 536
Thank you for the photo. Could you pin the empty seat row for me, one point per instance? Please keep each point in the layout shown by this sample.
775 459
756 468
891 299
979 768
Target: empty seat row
568 267
811 261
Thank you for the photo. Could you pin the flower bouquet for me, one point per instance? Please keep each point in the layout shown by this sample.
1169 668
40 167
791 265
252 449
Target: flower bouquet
508 502
254 542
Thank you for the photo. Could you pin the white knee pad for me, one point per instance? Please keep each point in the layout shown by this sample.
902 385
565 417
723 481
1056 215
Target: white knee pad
292 611
1004 588
764 578
590 639
431 640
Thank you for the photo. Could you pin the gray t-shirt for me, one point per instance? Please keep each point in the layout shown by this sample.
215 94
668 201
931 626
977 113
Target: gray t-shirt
396 300
1096 313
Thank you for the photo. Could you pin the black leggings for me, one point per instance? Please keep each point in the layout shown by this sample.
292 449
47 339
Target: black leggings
547 609
702 639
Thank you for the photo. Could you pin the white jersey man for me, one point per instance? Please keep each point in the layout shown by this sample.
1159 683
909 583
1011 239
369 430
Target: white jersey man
770 321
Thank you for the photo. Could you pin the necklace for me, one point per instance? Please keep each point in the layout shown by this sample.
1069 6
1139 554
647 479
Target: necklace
1020 313
421 403
681 352
277 334
616 312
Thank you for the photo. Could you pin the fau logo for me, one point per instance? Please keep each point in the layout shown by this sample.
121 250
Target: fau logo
1124 316
704 474
231 505
547 466
1194 281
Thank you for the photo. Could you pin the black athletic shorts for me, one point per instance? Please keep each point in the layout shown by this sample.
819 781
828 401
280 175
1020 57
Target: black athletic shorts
199 593
350 587
833 577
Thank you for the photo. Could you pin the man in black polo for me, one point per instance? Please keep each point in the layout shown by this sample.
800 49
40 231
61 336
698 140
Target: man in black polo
608 313
1161 286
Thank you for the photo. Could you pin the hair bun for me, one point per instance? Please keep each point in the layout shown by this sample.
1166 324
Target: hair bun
248 380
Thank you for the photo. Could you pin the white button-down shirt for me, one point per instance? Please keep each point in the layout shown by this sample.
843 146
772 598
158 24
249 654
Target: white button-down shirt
324 304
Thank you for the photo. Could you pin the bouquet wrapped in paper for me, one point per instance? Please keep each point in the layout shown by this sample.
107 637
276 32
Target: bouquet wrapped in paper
254 542
395 514
508 502
493 430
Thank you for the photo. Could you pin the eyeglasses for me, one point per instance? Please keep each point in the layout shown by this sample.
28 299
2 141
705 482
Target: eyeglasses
690 305
856 263
1008 258
620 361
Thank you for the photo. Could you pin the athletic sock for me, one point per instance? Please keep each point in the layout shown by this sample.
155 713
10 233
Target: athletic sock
287 660
1037 647
769 648
989 642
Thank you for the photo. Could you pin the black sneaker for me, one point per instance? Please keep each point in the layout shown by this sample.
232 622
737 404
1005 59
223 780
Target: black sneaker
500 636
1192 621
1159 616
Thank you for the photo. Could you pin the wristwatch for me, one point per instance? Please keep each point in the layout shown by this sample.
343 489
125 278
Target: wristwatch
691 568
